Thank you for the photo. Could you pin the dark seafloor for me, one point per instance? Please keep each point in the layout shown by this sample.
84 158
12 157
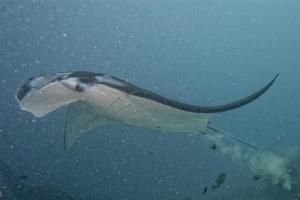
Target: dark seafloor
202 52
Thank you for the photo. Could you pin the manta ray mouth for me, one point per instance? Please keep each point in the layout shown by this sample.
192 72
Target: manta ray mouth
23 91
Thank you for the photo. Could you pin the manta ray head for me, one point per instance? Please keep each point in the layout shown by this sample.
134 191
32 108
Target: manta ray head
43 94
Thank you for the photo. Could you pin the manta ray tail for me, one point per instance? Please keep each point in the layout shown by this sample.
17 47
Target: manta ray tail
232 137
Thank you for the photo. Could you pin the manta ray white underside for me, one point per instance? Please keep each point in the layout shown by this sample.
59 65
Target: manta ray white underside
95 99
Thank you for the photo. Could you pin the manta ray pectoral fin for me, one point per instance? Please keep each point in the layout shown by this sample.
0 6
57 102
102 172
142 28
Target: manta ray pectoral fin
80 118
241 102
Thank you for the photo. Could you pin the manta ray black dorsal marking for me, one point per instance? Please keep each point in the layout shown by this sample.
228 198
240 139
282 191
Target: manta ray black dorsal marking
95 99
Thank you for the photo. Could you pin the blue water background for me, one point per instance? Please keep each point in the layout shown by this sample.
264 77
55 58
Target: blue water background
200 52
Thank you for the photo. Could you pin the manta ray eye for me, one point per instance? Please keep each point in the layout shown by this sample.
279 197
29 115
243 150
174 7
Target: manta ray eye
79 88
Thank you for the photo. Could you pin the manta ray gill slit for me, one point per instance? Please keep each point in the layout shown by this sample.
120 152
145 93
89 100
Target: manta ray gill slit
114 101
123 108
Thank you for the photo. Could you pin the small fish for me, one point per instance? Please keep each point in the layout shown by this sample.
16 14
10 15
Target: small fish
205 190
213 147
219 181
256 177
151 153
23 177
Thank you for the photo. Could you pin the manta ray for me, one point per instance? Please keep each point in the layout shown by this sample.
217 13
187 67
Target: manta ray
95 99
